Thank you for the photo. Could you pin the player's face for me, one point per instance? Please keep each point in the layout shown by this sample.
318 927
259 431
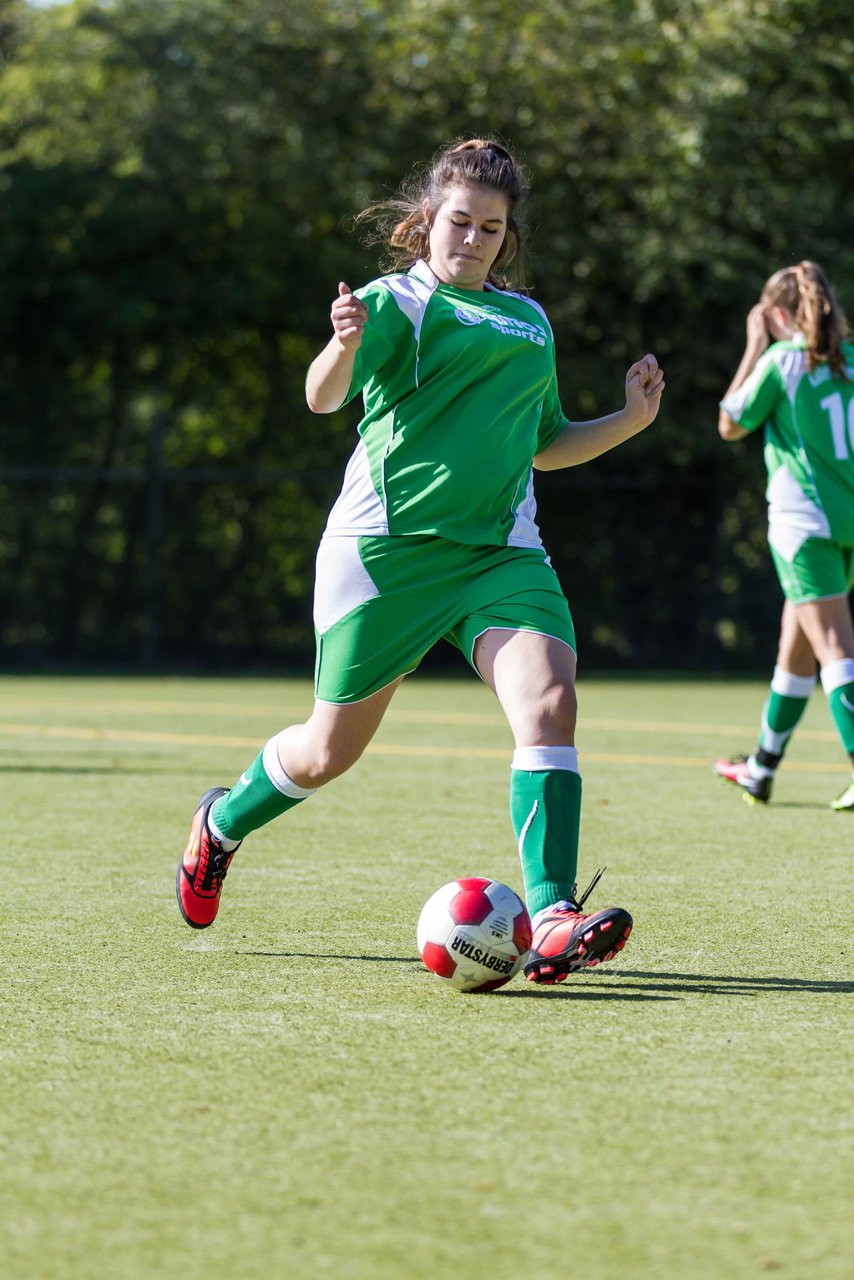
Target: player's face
467 231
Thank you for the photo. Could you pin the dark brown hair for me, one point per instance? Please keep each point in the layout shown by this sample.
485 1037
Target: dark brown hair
804 292
403 228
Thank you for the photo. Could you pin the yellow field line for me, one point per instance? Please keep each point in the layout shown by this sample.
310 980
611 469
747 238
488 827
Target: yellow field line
693 730
287 714
597 757
83 734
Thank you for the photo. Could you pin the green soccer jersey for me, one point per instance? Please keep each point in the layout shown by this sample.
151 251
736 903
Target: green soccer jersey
809 443
460 393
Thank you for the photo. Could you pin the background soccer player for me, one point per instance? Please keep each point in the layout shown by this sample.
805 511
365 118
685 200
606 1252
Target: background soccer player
800 390
434 535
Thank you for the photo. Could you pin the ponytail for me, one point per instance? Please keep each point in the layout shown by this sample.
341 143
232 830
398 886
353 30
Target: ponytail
805 293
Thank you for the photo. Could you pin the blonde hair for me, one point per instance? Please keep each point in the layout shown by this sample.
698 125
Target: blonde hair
805 293
403 226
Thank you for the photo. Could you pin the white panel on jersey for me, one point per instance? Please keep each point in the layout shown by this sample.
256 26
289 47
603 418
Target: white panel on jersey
412 292
734 403
525 531
792 366
792 517
358 509
341 581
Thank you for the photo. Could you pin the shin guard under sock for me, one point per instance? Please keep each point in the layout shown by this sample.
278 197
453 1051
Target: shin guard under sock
545 808
784 706
837 680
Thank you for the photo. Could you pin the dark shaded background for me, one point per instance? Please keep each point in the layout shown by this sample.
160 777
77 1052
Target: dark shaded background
177 182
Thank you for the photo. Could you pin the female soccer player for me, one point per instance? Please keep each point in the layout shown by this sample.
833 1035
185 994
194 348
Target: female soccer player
800 389
433 535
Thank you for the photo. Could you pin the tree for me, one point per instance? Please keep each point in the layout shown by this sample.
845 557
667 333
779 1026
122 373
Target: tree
178 177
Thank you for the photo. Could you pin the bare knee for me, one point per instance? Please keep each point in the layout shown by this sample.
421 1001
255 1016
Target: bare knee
829 628
313 757
550 718
328 760
794 653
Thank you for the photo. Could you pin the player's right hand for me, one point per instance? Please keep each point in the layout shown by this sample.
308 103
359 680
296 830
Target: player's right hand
348 316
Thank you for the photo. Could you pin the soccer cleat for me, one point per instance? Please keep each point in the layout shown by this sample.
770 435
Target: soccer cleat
845 801
756 790
203 867
565 940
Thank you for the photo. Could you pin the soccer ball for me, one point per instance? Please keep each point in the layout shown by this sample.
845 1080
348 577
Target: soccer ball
475 933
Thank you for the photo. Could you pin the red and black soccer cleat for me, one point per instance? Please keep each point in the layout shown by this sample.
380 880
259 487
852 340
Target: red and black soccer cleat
203 867
565 940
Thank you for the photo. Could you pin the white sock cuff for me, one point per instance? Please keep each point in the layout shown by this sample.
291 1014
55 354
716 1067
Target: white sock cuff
228 844
539 759
278 777
791 686
835 674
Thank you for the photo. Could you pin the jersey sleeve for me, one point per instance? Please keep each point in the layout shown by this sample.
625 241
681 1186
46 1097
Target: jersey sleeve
552 419
386 328
753 403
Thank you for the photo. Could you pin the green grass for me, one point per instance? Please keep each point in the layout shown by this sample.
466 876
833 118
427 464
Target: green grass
289 1094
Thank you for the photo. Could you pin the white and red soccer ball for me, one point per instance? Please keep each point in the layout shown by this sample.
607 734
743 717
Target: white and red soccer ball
475 933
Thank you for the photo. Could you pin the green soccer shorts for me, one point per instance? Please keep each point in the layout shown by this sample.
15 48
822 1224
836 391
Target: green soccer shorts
380 603
821 568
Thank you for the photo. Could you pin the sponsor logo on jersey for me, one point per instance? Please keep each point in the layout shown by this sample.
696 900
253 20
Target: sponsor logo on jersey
471 315
820 375
466 316
824 374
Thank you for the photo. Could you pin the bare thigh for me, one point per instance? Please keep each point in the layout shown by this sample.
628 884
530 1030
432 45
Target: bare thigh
533 677
794 652
828 627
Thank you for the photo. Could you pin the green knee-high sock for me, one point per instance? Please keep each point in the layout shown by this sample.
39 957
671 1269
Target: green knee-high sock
837 680
784 706
545 809
263 791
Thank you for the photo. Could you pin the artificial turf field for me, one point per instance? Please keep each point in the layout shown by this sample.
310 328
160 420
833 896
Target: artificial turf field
289 1094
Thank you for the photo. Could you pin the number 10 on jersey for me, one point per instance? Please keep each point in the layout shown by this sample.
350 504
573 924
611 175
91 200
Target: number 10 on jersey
835 407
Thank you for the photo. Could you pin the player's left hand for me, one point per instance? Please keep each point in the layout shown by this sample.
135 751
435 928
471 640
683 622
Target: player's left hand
644 385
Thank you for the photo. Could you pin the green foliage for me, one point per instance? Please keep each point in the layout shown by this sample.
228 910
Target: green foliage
177 179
